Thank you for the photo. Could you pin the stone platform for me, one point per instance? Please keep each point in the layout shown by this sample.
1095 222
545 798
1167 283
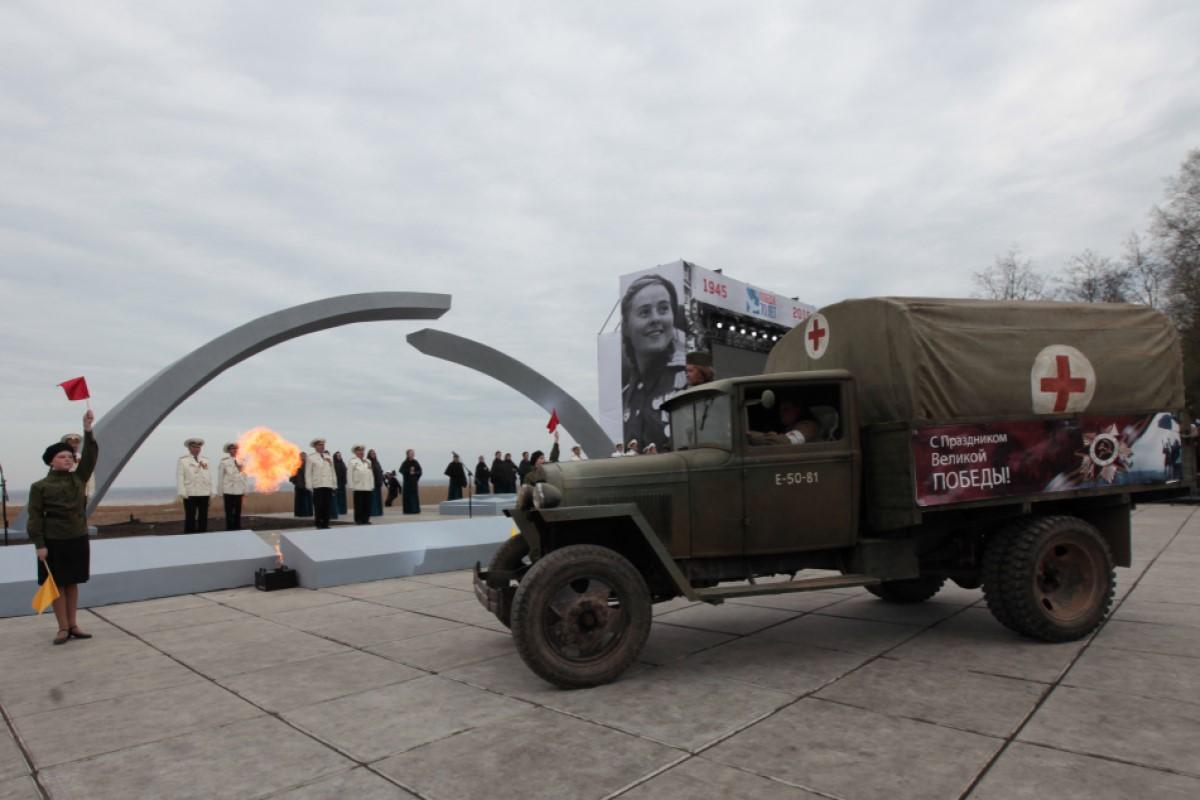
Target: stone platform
481 505
143 567
378 551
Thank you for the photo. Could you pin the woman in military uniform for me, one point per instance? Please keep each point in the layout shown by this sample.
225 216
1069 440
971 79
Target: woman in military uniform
58 526
652 358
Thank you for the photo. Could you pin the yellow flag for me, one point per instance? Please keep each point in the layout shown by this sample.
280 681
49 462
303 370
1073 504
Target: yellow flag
46 594
514 532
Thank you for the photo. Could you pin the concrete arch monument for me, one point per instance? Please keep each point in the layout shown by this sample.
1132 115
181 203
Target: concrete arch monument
470 353
123 429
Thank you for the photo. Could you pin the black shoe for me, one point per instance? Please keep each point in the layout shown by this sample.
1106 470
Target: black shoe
74 633
63 635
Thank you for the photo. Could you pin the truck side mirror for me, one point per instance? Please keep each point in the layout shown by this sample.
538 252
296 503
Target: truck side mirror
768 399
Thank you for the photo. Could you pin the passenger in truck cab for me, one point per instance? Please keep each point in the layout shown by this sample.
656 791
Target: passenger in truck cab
795 422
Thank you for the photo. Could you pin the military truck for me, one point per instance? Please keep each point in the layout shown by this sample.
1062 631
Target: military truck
892 444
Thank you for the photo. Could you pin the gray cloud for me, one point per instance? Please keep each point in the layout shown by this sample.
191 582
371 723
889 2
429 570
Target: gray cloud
173 170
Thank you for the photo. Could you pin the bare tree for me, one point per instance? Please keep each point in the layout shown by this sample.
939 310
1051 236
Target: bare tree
1093 278
1175 228
1011 277
1148 273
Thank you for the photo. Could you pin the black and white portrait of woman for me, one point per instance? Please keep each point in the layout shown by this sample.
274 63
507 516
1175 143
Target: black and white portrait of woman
653 347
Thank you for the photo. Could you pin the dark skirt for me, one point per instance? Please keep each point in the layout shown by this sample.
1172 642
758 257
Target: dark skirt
376 502
69 560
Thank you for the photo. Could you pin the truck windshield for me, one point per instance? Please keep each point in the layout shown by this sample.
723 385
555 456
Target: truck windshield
705 422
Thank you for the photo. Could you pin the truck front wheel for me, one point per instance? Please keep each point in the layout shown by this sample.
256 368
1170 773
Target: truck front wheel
581 616
909 590
1049 578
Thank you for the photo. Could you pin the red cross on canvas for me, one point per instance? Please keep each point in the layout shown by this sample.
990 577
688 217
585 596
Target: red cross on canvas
1062 385
816 334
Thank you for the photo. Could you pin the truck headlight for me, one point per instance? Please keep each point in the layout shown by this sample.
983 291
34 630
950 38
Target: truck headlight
546 495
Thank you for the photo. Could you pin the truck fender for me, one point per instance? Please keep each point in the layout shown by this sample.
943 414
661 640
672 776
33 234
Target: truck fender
543 527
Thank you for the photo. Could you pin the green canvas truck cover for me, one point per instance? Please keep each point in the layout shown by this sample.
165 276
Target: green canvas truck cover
919 359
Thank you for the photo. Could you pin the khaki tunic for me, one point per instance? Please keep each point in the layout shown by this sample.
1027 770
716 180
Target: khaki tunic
56 502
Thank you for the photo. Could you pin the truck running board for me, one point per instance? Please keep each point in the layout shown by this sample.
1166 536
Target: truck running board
718 594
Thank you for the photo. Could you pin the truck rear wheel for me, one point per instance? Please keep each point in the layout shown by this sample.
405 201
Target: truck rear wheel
512 556
910 590
580 616
1049 578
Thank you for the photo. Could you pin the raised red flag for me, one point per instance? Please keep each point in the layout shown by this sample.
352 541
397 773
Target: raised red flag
553 423
76 388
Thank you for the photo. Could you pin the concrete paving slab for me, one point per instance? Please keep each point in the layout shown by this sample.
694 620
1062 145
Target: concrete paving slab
789 667
837 633
388 628
984 704
1132 672
329 614
1028 772
359 784
726 618
314 680
673 604
508 676
243 760
378 723
540 753
373 588
19 789
56 737
793 601
672 705
872 608
669 643
229 648
421 599
12 761
974 641
1158 593
457 647
849 753
1150 637
183 618
954 594
58 688
701 779
468 612
1162 613
262 603
121 611
1157 733
462 579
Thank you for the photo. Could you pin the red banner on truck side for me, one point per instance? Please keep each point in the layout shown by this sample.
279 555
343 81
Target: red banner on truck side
965 462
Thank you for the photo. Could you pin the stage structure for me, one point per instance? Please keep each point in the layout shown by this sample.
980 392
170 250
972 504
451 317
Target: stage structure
662 314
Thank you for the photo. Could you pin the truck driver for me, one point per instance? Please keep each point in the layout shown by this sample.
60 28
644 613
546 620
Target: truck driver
797 425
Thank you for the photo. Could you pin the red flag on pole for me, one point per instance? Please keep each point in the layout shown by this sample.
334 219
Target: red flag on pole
553 423
76 388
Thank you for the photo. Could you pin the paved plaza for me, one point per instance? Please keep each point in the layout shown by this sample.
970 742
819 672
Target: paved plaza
407 688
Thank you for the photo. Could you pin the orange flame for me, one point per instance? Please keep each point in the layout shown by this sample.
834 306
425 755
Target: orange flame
278 556
268 458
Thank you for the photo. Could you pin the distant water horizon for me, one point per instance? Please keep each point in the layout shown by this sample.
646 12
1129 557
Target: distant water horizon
160 495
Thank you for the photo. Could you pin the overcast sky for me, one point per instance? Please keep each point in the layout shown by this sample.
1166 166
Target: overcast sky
169 171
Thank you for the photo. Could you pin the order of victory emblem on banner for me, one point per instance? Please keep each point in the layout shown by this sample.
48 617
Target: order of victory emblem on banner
816 336
1062 381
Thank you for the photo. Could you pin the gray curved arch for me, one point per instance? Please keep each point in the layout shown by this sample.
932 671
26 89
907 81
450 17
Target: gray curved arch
478 356
123 429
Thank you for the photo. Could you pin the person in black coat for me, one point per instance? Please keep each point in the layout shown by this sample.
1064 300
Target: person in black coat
498 474
393 488
302 505
410 472
377 492
339 469
482 476
510 474
457 474
523 468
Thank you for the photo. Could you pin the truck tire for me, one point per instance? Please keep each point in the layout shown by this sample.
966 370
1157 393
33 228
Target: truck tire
1049 578
512 556
910 590
581 616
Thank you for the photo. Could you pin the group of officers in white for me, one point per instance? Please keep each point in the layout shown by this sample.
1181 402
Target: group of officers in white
193 483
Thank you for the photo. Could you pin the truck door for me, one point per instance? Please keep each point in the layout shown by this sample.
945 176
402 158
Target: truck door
799 463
